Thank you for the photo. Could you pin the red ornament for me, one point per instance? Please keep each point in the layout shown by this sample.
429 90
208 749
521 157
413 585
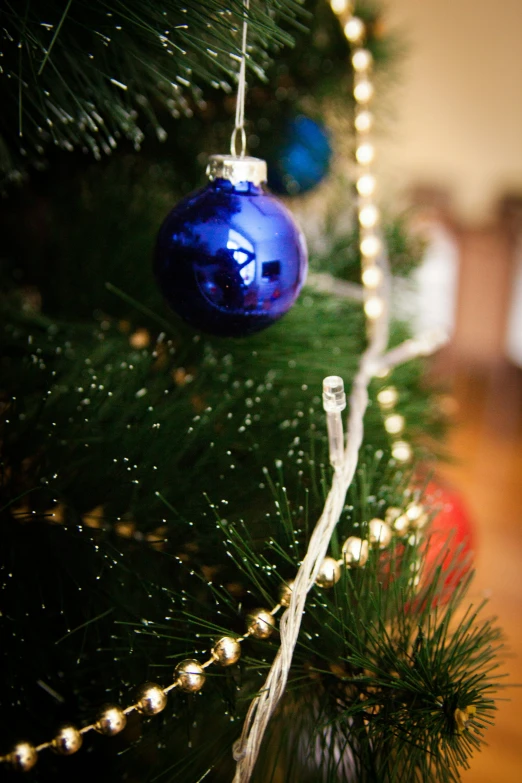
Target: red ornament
449 542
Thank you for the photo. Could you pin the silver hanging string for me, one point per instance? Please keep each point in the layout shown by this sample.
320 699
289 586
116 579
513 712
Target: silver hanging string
239 129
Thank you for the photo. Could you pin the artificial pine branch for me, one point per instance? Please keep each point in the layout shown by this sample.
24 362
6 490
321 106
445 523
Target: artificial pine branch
80 74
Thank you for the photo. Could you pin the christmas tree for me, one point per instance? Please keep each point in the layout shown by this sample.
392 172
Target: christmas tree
194 559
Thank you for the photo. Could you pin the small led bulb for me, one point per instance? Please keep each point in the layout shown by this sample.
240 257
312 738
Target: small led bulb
361 60
363 91
339 6
401 451
388 397
365 153
354 29
366 185
371 277
394 424
374 307
368 216
370 246
334 402
363 121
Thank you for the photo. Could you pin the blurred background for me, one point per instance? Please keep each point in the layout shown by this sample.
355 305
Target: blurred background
453 151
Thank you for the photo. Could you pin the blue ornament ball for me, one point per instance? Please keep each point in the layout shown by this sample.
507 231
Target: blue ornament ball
230 259
302 160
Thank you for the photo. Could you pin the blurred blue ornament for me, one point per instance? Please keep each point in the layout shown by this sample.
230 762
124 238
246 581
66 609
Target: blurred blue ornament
303 160
230 259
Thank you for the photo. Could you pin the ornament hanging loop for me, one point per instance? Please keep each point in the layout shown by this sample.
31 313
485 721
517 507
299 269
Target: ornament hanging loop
239 128
233 142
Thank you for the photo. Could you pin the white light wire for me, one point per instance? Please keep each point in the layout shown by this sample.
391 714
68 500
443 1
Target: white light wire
239 127
246 749
374 361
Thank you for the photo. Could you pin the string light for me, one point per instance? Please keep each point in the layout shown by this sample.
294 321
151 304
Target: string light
364 153
334 402
362 60
354 29
374 307
388 397
376 299
368 216
363 91
363 121
339 6
370 246
402 451
394 424
371 277
366 185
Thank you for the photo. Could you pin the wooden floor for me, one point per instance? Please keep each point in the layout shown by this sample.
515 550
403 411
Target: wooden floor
487 443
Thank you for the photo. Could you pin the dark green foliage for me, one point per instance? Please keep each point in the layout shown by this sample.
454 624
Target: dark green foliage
240 426
78 73
118 612
181 93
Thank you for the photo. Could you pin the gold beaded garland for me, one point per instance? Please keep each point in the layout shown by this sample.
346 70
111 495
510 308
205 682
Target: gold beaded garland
285 592
329 573
67 741
111 720
355 552
380 533
417 516
226 651
190 675
23 757
151 699
260 623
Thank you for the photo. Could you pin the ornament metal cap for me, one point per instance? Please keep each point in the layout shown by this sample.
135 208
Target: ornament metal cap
237 169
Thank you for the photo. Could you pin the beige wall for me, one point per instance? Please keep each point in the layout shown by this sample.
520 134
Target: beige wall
454 118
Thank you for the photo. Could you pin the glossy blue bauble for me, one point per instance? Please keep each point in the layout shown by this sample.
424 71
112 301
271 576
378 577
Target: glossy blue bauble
230 259
302 160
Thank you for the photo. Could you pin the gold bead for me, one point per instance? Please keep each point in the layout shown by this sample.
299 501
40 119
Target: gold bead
401 524
380 533
67 741
392 513
285 592
23 757
226 651
151 699
329 573
388 397
111 720
394 424
190 675
354 29
417 516
374 307
355 552
260 623
402 451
